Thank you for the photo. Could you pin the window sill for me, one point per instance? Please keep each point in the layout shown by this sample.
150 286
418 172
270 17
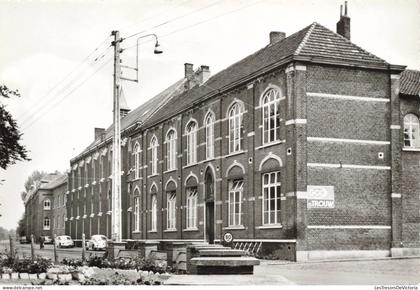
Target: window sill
136 232
170 231
234 228
190 230
274 226
209 159
153 175
73 190
411 149
80 188
235 153
152 231
94 183
270 144
190 165
169 171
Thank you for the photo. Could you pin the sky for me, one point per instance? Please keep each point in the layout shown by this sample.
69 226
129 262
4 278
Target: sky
48 51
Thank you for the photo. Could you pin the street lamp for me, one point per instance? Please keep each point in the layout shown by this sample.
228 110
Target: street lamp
157 50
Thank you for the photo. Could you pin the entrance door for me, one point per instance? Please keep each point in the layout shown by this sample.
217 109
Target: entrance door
209 207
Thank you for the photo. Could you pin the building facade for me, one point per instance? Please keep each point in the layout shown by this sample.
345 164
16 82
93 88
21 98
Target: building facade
299 146
45 206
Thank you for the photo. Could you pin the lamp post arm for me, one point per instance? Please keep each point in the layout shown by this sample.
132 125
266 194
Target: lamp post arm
137 50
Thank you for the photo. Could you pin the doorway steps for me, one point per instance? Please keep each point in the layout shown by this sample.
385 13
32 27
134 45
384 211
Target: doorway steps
217 259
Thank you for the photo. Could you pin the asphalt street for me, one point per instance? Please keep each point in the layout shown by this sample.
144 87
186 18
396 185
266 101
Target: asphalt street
358 272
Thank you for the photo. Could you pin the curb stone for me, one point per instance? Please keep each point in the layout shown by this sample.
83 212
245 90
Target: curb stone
15 276
23 275
5 276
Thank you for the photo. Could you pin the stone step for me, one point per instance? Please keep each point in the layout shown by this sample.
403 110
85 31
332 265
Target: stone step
220 252
225 261
223 265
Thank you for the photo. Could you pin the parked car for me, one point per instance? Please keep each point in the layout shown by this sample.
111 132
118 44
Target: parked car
23 240
48 240
64 242
97 242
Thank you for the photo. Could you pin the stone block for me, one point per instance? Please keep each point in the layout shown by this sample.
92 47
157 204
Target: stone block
23 275
42 276
14 276
33 276
5 276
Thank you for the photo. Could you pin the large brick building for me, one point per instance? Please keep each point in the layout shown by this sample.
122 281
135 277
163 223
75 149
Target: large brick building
45 206
299 146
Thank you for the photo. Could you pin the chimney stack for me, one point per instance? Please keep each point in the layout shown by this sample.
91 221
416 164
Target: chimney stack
343 25
99 132
189 71
276 36
194 78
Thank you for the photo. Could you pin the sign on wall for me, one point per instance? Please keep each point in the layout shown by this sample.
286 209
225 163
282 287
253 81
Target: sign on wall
320 196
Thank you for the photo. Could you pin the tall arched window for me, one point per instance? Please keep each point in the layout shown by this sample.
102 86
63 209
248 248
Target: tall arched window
191 142
171 150
271 116
47 204
136 212
209 123
411 131
137 161
235 128
154 213
46 223
153 150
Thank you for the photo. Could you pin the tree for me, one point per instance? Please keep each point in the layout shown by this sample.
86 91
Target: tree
33 178
21 228
11 149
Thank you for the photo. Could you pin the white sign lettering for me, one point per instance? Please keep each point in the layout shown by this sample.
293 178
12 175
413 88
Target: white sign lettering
320 196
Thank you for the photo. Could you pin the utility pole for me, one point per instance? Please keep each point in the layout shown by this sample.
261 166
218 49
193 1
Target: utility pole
116 148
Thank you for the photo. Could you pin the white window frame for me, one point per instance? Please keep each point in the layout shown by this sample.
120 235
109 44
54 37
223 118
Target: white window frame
192 199
270 123
171 150
47 204
154 156
137 160
93 169
209 123
47 223
73 179
154 213
191 132
86 173
411 131
171 210
235 197
272 182
235 116
136 213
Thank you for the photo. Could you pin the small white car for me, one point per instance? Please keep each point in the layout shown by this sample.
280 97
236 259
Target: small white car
64 242
97 242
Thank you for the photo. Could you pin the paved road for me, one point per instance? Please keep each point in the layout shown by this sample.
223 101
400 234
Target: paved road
48 251
377 272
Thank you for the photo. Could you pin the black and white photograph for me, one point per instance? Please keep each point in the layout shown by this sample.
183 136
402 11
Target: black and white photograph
210 143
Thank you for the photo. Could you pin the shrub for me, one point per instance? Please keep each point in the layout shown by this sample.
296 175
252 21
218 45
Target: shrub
25 265
72 262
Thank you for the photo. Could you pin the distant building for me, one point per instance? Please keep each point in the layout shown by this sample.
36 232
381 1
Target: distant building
297 150
45 210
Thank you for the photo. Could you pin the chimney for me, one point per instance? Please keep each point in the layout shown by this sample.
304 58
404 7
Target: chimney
343 25
198 77
202 74
99 132
189 71
276 36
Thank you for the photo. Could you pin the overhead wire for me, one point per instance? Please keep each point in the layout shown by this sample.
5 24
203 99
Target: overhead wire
198 23
62 89
68 94
73 71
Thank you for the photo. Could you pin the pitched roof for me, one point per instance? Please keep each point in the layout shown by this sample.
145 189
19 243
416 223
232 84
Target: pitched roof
313 41
57 181
410 82
141 113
